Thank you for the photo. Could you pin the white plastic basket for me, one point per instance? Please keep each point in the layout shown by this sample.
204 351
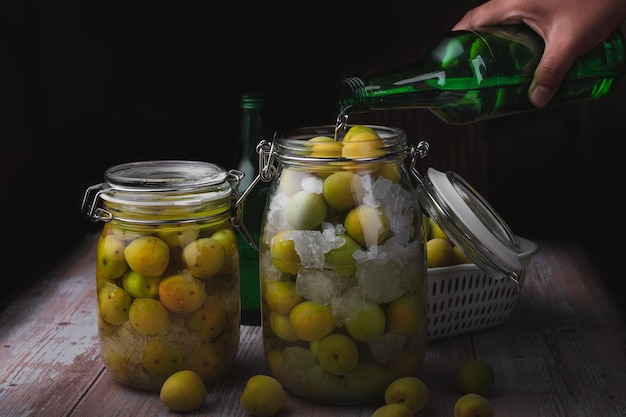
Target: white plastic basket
464 299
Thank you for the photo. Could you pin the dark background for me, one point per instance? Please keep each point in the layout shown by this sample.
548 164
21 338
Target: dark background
87 85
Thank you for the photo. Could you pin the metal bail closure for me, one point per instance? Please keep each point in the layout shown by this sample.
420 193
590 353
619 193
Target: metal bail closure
470 222
267 170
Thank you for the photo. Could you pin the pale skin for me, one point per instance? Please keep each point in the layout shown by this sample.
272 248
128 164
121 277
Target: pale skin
569 28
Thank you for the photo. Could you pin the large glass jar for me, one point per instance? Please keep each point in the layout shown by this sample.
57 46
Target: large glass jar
167 271
342 265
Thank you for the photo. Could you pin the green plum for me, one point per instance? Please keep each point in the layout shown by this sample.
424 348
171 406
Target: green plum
366 323
161 359
343 190
139 286
367 225
183 391
338 354
340 259
305 210
204 257
473 405
209 320
110 261
113 303
148 255
474 376
263 396
182 293
148 316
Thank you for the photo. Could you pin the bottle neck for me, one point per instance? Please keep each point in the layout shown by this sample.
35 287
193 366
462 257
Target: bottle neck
251 133
352 96
415 88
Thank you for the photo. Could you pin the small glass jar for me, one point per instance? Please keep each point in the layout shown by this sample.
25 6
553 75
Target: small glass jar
167 271
342 264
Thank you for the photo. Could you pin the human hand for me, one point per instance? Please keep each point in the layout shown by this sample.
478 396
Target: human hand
569 29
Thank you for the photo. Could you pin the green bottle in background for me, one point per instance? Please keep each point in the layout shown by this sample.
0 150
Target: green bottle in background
467 76
252 131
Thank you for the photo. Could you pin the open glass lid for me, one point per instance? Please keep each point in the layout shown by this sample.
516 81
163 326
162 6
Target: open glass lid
470 222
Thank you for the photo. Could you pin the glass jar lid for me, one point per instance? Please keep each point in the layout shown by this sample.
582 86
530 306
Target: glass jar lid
193 189
165 182
470 222
166 175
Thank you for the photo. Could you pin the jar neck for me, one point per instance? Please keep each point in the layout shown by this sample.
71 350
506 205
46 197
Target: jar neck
316 145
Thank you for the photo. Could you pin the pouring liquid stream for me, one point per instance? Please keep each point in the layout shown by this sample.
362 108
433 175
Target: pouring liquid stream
341 125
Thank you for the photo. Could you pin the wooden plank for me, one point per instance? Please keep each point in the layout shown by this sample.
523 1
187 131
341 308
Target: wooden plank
49 355
560 353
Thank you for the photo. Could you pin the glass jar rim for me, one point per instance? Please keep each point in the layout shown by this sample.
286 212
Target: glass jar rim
165 175
165 183
294 145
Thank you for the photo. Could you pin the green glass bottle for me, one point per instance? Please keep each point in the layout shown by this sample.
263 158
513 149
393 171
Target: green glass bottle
467 76
252 131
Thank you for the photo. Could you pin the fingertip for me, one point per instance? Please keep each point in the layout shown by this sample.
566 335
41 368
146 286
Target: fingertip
549 73
540 95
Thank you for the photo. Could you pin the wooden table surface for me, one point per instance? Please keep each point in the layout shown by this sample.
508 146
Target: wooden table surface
562 352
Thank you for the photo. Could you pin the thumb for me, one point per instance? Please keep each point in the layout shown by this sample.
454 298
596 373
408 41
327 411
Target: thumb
548 76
